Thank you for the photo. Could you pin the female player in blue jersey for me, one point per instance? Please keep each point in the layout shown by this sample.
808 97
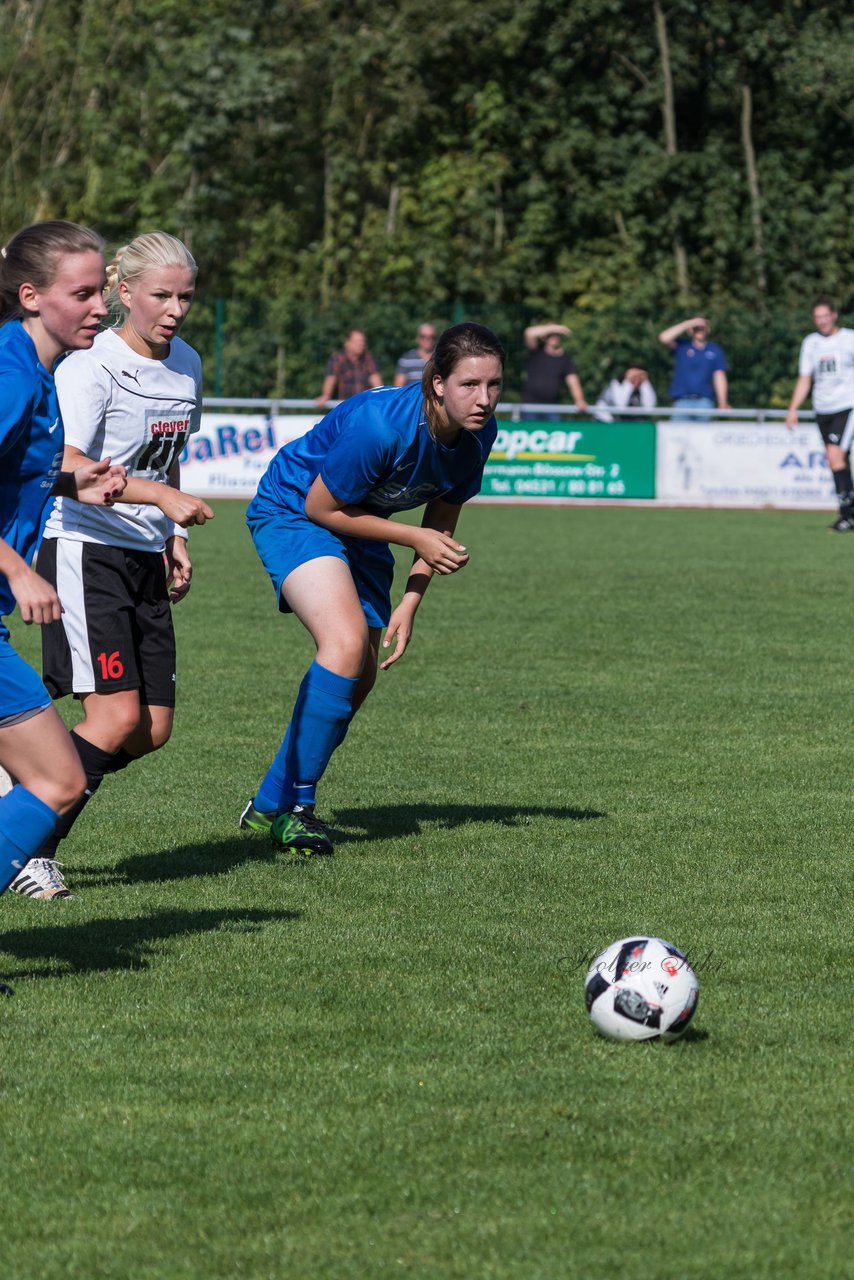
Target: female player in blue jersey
51 277
320 523
136 396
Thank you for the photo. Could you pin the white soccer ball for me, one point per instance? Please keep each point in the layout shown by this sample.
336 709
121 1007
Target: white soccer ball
641 989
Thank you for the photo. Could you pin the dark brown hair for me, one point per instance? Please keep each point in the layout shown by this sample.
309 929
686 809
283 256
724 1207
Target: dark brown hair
456 344
32 257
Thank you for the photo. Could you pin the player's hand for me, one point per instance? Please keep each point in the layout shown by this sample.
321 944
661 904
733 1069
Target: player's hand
100 483
791 419
183 508
440 551
180 568
399 630
37 600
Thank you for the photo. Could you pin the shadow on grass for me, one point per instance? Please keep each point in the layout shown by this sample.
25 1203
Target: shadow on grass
188 860
99 946
395 820
373 822
693 1035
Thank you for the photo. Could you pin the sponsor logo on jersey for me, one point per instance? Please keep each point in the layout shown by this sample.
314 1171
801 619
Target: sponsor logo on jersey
168 426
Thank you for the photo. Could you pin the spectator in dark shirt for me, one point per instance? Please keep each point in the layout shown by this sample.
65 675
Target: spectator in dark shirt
549 367
349 371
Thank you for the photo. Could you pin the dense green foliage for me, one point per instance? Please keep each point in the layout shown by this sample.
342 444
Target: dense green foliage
605 162
219 1064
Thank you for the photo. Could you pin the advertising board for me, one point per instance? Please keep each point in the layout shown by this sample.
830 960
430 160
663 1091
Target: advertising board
742 464
560 460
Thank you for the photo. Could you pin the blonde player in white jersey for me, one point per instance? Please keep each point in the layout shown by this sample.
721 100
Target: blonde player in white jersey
827 366
135 397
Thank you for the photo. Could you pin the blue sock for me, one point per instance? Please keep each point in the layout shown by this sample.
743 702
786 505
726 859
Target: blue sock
278 792
318 724
275 793
25 824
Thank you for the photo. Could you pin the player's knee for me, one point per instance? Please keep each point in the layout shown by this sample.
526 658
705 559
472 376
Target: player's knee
124 720
63 792
346 656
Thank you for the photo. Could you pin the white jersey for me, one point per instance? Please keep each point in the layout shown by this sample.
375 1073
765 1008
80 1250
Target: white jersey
618 395
830 363
139 412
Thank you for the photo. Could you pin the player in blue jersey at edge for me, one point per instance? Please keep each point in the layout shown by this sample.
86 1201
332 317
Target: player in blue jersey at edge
320 523
51 277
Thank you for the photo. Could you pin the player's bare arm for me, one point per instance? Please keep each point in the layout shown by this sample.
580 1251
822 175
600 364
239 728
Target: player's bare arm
37 600
180 568
441 516
440 552
182 508
97 483
799 395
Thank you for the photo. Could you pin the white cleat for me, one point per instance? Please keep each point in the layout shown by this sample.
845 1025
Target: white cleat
41 878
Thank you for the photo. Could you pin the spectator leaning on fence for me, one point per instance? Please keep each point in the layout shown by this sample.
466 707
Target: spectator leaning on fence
411 364
632 391
350 370
549 368
827 365
699 367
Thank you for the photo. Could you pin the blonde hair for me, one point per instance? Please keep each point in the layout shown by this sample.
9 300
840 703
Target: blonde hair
153 249
33 257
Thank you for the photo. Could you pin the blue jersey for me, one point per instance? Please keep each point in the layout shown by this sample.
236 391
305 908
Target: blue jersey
31 445
375 451
694 368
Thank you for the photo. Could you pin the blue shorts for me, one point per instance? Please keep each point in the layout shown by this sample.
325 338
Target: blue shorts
285 538
21 690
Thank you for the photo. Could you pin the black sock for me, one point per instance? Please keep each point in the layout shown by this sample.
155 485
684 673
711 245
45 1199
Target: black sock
96 765
844 485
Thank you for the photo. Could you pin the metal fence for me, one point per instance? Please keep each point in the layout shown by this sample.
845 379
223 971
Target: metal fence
528 412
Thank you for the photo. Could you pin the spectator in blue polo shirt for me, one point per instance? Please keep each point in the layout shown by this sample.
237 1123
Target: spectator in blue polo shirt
699 368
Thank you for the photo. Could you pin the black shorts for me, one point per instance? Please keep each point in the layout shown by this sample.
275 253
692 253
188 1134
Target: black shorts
837 428
116 628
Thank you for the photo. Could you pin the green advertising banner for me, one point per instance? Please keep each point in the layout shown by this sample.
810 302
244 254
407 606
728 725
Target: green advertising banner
572 460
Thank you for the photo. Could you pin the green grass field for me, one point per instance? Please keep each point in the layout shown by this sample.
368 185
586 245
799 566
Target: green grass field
221 1064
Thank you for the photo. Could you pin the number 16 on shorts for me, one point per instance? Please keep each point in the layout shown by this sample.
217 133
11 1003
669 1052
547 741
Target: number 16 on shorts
112 667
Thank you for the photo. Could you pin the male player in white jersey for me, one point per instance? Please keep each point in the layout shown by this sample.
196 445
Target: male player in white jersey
827 365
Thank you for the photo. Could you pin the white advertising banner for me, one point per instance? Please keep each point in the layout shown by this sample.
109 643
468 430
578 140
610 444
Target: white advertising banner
742 464
229 454
704 464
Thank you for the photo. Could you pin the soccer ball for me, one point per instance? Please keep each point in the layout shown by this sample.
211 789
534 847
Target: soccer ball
641 989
